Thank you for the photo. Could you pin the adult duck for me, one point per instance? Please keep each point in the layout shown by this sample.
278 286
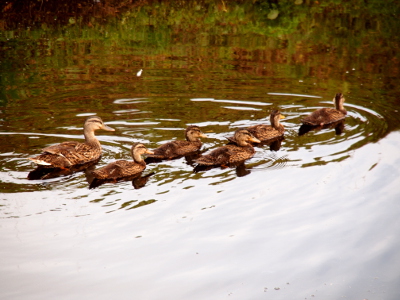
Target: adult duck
68 154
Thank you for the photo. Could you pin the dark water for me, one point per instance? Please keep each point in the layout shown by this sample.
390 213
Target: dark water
316 219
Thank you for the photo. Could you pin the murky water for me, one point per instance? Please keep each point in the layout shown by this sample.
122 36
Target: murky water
317 217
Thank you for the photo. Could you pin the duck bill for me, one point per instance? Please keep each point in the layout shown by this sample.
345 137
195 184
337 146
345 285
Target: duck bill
108 128
254 140
203 135
282 116
149 152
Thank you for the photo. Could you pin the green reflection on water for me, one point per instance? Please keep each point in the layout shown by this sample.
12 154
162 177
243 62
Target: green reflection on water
229 38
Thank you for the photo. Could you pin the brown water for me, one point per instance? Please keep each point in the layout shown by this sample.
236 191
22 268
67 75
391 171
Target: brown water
316 219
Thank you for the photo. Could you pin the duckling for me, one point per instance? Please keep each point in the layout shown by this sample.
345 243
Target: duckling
268 132
180 148
324 116
238 151
123 168
68 154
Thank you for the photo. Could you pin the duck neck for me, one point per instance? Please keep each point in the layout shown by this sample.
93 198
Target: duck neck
339 105
91 139
137 157
275 123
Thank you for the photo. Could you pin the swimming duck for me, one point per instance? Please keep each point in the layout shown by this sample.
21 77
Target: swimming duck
231 153
324 116
268 132
180 148
124 168
68 154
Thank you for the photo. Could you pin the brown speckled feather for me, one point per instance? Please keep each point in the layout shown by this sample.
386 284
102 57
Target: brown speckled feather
232 153
180 148
119 169
67 154
176 149
266 132
323 116
227 154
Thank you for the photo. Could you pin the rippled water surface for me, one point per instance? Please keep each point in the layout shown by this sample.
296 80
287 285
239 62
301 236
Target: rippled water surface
315 216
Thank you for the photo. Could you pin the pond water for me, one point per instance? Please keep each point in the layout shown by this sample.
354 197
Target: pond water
316 218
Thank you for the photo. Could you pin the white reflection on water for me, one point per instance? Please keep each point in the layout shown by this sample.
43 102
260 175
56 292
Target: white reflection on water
241 108
362 108
86 114
130 100
295 95
330 233
131 123
231 101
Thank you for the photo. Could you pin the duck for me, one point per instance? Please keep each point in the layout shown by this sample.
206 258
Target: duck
68 154
124 168
325 116
179 148
232 153
265 132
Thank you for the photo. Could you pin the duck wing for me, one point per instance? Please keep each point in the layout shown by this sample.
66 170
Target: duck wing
323 116
66 154
238 153
265 132
175 149
219 156
119 169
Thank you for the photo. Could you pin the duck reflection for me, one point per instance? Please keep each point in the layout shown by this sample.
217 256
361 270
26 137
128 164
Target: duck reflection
43 172
191 159
138 181
339 127
274 145
240 168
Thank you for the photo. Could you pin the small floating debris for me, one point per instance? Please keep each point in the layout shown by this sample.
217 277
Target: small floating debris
273 14
138 74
